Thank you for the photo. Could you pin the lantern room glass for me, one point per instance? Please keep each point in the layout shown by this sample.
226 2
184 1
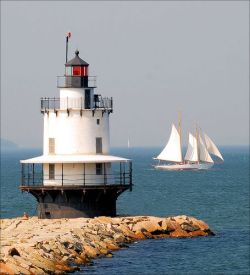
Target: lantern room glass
85 71
76 70
68 71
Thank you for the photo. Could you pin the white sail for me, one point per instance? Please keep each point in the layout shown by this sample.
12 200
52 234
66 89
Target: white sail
203 152
211 147
192 152
172 151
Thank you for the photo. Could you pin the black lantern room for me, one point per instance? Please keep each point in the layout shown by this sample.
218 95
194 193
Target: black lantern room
76 72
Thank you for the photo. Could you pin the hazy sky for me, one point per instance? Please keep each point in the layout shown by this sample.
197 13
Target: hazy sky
153 58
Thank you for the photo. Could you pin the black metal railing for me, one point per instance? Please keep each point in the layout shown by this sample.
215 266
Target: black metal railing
103 102
66 103
37 175
40 179
50 103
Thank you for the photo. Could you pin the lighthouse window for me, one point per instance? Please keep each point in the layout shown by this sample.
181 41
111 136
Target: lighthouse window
51 146
99 145
98 169
76 70
98 121
51 171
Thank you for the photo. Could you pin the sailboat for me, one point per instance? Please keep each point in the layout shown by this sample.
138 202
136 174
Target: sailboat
128 143
197 157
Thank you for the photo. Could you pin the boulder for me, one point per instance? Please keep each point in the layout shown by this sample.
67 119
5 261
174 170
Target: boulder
179 233
25 264
197 233
140 236
156 220
91 237
41 263
146 225
119 238
148 235
6 269
110 244
160 236
62 249
126 231
202 225
36 271
91 251
171 225
105 233
181 219
104 219
14 265
46 247
189 227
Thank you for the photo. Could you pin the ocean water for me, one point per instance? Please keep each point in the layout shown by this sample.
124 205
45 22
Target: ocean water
219 196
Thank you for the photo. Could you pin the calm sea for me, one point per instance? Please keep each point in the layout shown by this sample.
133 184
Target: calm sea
219 196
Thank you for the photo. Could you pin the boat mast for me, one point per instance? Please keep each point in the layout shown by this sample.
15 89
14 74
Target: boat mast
180 133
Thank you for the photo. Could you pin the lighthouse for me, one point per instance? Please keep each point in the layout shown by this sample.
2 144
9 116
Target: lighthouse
76 176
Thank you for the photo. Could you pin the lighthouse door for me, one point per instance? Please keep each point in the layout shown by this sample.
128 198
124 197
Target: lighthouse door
87 99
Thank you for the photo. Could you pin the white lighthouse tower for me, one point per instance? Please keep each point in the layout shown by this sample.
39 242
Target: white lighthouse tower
76 176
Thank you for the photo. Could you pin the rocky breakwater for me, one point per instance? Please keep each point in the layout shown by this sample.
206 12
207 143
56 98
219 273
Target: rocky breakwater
59 246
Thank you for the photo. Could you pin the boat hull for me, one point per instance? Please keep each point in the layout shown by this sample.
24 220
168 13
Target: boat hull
185 166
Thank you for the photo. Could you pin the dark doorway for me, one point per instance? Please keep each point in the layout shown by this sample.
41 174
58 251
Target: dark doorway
87 99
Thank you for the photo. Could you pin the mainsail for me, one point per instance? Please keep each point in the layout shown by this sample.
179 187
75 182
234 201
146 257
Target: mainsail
172 151
197 150
203 152
211 147
192 150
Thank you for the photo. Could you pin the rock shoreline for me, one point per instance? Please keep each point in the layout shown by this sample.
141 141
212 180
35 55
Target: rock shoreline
59 246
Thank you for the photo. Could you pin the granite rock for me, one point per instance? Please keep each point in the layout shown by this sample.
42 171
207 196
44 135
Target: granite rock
53 246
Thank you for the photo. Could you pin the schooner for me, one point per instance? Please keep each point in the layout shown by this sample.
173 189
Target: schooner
197 157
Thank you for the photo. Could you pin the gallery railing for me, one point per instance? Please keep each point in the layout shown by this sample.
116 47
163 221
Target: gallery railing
67 103
40 179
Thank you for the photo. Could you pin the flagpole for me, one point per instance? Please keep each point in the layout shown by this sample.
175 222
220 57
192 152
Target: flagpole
67 40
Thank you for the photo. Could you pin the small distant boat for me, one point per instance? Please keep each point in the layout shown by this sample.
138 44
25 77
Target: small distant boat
197 157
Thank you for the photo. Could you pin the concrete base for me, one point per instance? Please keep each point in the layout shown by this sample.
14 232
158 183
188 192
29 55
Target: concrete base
73 204
77 202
